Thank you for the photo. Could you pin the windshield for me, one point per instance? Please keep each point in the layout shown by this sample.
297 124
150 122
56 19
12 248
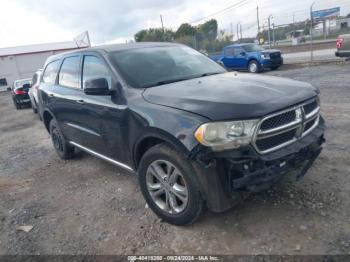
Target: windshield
253 48
20 83
147 67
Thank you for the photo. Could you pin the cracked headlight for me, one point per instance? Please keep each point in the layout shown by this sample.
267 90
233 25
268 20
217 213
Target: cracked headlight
226 135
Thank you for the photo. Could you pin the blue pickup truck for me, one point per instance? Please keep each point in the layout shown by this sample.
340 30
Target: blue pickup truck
251 57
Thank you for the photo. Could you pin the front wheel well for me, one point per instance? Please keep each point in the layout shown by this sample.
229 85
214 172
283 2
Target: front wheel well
144 146
47 117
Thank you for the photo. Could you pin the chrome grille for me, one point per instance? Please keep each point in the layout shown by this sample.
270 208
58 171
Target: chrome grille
278 120
283 128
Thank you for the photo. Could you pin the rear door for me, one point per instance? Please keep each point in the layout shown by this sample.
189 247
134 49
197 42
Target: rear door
67 94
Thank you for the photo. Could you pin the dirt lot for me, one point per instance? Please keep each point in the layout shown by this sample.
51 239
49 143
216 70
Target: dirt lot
87 206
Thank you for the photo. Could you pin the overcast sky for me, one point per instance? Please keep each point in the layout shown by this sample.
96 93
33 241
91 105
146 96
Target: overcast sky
24 22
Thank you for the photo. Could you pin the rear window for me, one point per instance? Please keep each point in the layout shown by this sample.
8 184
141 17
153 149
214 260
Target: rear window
50 74
22 82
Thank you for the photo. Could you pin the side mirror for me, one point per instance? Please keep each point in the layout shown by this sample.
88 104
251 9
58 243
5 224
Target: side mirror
243 54
97 87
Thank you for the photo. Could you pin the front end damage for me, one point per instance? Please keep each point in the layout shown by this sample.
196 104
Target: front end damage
224 176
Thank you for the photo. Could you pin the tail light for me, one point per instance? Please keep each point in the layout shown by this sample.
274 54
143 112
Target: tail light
340 42
20 92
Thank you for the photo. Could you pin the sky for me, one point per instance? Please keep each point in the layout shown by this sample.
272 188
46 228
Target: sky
25 22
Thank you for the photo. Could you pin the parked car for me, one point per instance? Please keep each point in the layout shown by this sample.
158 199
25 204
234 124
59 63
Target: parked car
194 133
251 57
19 92
343 46
33 92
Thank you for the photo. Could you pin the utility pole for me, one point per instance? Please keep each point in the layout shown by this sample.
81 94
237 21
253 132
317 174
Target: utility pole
273 34
161 21
294 24
257 17
269 32
311 37
238 31
240 26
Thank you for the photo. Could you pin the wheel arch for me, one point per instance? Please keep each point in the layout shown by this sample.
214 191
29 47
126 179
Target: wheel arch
47 117
154 137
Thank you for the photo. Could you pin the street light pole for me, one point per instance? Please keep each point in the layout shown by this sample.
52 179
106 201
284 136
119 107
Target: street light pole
311 37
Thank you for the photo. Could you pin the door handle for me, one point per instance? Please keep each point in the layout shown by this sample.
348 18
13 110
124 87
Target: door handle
82 102
51 95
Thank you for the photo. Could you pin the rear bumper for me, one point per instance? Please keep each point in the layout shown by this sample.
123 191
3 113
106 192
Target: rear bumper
342 53
22 99
269 63
227 173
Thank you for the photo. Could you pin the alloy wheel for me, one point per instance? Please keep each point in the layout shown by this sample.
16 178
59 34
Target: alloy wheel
167 187
253 67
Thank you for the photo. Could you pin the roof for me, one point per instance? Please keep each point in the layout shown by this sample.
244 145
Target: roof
238 45
114 47
38 48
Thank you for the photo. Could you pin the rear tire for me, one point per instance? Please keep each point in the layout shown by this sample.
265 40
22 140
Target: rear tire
254 67
63 149
168 185
17 105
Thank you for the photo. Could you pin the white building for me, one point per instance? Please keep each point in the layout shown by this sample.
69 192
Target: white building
23 61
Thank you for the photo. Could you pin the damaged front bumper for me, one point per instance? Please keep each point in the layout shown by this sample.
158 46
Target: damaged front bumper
224 173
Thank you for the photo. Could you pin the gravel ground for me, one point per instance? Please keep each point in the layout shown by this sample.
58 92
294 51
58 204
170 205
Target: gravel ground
87 206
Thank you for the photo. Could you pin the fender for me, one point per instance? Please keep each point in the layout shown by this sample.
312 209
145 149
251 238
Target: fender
156 133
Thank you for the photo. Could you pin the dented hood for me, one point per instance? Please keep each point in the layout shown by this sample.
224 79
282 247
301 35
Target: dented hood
231 96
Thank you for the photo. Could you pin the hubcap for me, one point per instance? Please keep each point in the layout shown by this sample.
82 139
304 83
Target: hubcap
167 187
253 67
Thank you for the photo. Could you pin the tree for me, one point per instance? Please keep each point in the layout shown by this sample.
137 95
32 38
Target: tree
154 35
209 29
185 30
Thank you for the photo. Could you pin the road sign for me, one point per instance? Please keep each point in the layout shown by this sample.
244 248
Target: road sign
326 13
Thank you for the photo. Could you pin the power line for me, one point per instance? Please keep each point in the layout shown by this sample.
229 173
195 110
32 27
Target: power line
240 3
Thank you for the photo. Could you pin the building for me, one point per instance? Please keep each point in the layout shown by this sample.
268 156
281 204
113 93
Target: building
22 61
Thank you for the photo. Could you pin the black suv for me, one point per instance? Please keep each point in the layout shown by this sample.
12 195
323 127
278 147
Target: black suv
195 134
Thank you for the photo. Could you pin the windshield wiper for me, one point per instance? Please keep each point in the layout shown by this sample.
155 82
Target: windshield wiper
210 74
164 82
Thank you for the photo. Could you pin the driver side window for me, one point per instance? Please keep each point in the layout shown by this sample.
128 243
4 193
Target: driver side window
94 68
229 51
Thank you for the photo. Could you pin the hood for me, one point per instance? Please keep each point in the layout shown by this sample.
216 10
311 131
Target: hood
231 96
270 51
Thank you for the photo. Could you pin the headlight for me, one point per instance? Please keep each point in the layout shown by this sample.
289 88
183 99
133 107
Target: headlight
265 56
225 135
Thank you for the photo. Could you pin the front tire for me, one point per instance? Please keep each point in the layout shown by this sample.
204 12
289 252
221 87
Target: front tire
254 67
168 184
63 149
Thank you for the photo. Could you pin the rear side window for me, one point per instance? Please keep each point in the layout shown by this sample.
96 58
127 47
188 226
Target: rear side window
69 73
94 68
50 73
